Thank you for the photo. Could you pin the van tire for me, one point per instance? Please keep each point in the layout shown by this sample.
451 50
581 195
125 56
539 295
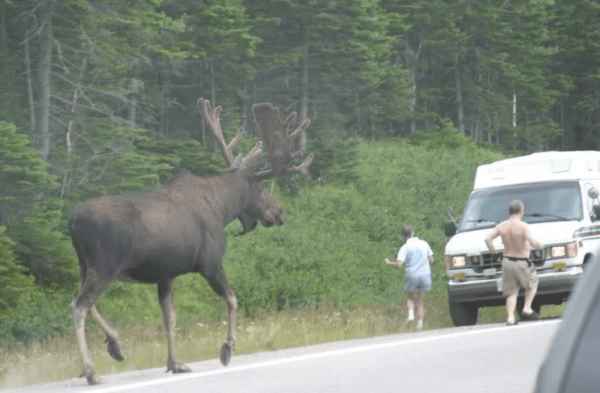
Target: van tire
463 314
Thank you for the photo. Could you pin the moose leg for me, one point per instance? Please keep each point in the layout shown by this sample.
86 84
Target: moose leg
165 296
219 284
112 337
89 292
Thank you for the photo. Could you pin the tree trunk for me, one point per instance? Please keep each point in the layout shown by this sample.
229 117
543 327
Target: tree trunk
69 131
202 123
359 114
213 95
304 80
4 49
527 132
413 99
132 107
5 77
411 59
244 109
562 126
46 44
488 133
29 83
459 100
514 110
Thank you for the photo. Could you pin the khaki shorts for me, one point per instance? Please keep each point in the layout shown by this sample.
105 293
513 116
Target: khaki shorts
517 274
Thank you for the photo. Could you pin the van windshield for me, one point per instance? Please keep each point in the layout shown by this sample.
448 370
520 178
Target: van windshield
544 202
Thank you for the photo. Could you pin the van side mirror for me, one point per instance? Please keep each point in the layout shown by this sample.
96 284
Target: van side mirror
593 193
450 228
597 212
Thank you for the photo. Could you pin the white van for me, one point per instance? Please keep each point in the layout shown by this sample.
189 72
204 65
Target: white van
560 194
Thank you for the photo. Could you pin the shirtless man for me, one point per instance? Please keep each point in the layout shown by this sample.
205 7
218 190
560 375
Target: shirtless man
516 270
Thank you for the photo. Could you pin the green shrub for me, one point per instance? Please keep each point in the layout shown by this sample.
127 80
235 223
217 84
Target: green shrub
16 289
335 237
330 251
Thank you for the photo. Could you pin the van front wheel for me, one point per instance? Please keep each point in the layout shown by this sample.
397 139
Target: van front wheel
463 314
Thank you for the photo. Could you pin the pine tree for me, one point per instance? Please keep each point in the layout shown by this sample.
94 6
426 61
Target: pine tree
31 210
576 71
16 288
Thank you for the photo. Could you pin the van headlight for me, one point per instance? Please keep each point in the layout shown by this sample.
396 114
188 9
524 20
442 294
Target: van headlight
569 250
459 261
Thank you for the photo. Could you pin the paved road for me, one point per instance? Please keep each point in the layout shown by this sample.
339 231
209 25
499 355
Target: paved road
486 358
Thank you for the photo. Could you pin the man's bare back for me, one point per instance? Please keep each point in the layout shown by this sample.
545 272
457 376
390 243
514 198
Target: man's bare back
515 236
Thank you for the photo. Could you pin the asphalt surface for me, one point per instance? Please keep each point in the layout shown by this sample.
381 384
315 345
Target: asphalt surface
484 358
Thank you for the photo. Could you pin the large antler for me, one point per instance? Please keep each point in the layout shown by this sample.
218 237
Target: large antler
278 141
212 119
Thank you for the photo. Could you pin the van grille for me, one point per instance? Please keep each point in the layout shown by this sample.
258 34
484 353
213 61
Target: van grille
485 261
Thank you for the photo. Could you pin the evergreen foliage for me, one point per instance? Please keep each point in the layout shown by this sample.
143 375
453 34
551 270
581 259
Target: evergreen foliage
31 211
16 289
24 180
336 157
372 67
406 98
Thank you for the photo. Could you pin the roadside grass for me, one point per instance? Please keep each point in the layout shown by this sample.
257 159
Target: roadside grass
144 345
498 314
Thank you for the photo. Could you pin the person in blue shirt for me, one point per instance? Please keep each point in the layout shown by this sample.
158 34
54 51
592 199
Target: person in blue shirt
417 256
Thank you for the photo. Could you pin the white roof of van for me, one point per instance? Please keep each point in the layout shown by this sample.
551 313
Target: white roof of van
538 167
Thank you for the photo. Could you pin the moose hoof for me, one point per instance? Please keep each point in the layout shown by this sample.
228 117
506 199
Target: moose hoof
226 351
179 368
93 380
114 350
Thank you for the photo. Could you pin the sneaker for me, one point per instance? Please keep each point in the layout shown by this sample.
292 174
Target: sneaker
409 322
532 316
420 325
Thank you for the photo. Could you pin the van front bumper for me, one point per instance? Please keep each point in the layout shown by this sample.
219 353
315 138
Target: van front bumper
485 290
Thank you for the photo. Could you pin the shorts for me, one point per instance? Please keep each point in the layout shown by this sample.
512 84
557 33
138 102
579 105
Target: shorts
517 274
422 283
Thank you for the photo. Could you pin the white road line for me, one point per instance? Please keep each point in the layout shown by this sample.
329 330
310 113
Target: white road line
301 358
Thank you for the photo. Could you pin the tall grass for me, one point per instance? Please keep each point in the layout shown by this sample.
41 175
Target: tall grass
144 345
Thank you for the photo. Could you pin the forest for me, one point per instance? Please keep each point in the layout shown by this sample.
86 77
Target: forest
405 97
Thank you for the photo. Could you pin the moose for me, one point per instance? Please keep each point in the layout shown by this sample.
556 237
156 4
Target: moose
156 236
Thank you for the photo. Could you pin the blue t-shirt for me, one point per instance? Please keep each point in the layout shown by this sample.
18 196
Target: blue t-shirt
415 253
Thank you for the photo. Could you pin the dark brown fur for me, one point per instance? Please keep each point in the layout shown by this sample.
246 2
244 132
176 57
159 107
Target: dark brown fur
156 236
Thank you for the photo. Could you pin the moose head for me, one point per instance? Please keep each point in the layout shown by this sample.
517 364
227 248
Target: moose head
262 205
